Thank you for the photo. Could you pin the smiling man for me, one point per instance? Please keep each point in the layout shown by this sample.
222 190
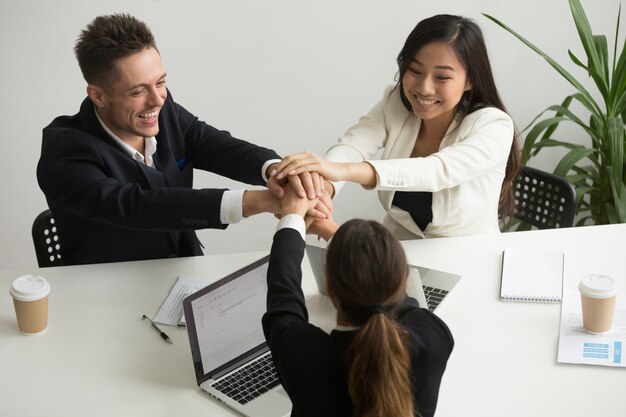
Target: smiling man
118 174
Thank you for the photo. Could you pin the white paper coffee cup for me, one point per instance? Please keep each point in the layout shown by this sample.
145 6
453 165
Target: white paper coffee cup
30 299
597 297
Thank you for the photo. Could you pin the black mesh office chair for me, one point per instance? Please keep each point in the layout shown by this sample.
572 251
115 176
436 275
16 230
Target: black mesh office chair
46 240
543 200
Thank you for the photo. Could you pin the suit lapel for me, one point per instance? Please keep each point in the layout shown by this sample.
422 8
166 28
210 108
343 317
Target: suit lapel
166 163
155 178
165 175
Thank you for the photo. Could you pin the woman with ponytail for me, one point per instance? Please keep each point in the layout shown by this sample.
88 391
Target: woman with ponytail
386 356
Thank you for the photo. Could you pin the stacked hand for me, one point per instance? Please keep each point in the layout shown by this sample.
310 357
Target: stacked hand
302 163
307 162
292 203
300 181
307 185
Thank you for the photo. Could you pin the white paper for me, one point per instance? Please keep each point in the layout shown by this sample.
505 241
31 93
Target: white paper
580 347
532 275
171 311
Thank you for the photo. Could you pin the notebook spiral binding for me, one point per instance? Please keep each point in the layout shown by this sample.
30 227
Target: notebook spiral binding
518 299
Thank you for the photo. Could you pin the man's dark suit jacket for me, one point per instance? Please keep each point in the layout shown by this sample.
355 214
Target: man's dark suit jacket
109 207
311 363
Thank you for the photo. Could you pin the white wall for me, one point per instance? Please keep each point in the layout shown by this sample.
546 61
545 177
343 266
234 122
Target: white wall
287 74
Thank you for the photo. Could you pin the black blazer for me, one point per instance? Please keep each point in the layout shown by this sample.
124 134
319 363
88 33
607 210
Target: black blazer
310 362
109 207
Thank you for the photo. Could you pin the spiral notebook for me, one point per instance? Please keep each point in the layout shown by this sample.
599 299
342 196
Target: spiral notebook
532 275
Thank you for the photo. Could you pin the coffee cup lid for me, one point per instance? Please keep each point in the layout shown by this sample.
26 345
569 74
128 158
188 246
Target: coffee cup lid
29 288
598 286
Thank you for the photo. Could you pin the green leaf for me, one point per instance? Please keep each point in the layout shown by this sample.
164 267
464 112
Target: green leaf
582 220
602 77
523 227
534 133
618 86
597 123
586 36
551 143
551 61
583 190
563 111
600 80
581 204
565 104
577 177
590 105
612 214
620 206
615 137
617 212
619 104
585 170
570 159
619 14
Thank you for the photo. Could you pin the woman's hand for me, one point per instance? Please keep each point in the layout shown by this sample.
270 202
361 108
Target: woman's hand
324 207
301 162
310 184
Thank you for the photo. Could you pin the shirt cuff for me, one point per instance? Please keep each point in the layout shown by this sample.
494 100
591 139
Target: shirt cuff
266 165
231 209
292 221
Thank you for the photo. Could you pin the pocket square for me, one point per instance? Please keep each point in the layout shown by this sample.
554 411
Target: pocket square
181 163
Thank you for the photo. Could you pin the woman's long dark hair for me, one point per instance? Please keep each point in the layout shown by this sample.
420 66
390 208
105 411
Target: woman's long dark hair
366 266
467 40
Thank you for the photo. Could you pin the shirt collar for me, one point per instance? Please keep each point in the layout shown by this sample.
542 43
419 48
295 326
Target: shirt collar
150 145
347 328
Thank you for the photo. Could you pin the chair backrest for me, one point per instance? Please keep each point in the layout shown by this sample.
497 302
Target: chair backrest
46 240
544 200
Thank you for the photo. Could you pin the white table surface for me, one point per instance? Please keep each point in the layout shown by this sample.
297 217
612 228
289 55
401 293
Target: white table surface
98 357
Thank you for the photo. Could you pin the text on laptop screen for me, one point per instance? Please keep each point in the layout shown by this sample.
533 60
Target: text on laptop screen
228 319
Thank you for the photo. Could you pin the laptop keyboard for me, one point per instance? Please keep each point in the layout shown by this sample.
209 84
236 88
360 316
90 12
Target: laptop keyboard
433 296
250 381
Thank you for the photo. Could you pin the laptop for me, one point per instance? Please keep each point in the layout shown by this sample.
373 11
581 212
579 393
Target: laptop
232 361
428 286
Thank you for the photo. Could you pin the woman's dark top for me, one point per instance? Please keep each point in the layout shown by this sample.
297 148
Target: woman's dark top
311 363
419 204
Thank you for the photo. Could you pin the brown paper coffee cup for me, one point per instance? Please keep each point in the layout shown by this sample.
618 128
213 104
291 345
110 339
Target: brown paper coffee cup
597 297
30 299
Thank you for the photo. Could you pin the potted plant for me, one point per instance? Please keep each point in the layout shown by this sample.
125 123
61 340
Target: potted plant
596 171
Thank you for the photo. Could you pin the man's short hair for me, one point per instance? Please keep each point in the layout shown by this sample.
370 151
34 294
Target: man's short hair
107 39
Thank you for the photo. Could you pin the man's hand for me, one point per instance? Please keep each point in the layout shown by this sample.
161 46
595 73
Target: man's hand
301 184
259 201
307 184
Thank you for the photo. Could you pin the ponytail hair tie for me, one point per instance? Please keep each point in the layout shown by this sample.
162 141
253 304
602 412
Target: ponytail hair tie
377 309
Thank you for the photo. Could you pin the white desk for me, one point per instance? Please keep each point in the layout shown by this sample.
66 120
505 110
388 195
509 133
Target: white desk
98 358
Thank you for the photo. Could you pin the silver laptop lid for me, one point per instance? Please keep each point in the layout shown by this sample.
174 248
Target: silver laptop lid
419 279
224 320
317 260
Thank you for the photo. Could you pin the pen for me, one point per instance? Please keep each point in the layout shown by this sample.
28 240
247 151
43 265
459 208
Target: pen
161 332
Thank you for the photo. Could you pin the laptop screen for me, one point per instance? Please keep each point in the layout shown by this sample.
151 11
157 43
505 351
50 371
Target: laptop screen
224 318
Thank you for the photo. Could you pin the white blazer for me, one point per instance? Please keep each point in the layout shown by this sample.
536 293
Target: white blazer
465 175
